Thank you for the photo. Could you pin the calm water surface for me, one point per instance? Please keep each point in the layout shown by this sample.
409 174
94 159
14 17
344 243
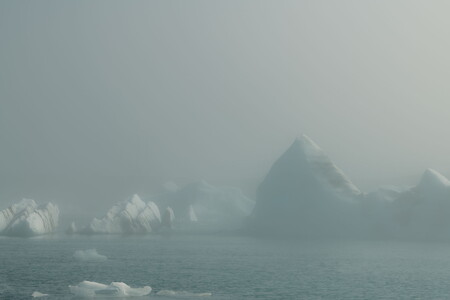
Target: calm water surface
229 267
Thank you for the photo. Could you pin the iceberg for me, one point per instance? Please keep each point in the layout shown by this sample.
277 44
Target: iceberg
377 211
126 217
27 218
433 183
197 206
424 209
420 211
201 206
305 194
88 289
8 214
90 255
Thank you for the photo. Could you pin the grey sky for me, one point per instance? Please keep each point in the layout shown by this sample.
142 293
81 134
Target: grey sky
219 89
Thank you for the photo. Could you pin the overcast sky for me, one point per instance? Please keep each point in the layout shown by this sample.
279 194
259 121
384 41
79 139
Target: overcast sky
219 89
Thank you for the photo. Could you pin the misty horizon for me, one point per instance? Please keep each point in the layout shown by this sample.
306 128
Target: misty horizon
226 149
83 94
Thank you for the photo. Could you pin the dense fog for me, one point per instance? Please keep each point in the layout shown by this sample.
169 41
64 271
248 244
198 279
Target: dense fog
228 149
101 101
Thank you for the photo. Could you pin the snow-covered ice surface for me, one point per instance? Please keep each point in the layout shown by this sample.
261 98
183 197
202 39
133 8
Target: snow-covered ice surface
130 216
27 218
89 289
90 255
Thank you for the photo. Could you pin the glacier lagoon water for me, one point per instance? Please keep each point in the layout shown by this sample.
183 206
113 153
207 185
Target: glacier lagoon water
229 267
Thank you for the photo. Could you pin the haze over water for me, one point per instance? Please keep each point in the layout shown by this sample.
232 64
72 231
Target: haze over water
172 149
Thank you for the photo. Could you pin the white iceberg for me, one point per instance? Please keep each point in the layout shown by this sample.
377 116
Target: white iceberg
8 214
90 255
181 294
196 206
130 216
88 289
26 218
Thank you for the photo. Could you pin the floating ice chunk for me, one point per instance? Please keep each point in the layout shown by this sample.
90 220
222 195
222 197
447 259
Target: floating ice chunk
38 294
88 289
26 218
89 255
181 294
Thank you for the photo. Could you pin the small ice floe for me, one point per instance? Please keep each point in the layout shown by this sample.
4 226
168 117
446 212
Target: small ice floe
181 294
89 255
115 289
38 294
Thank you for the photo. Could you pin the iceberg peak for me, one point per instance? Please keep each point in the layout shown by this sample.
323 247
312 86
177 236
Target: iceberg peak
433 179
307 157
303 145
